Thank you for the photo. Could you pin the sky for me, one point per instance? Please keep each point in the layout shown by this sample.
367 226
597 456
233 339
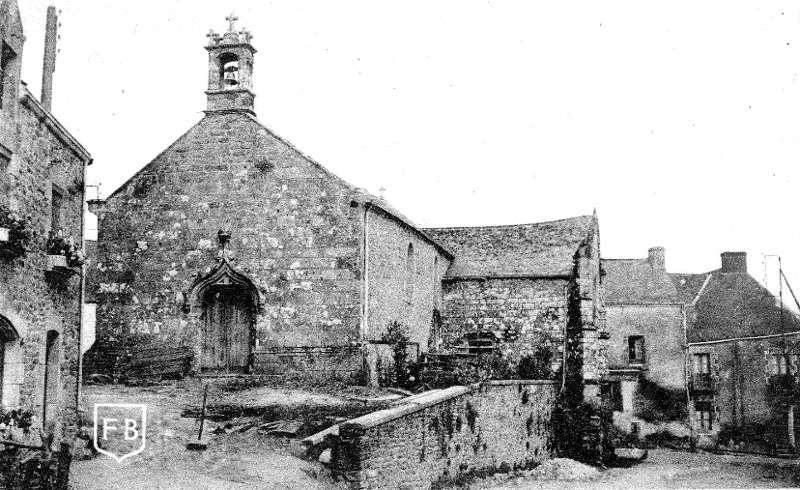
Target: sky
677 121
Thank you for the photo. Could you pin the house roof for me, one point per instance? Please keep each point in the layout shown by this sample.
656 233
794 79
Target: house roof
636 281
731 305
536 249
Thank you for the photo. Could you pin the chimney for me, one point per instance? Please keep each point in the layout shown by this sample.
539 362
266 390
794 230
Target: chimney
657 258
734 261
50 39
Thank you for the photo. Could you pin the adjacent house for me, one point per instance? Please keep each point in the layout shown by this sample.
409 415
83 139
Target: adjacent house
533 291
42 168
740 338
646 354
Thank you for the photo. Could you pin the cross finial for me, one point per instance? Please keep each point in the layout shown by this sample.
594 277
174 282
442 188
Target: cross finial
231 19
382 190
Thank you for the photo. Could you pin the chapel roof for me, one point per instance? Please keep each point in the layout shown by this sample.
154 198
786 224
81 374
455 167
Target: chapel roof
532 250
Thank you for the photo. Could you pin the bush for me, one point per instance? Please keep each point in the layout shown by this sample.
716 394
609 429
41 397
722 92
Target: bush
582 431
536 366
20 235
402 373
662 404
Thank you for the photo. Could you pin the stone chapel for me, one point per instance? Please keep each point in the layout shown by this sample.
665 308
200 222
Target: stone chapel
235 244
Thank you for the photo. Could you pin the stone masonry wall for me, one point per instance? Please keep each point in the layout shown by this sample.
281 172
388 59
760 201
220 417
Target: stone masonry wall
295 234
33 304
398 290
438 436
662 329
524 313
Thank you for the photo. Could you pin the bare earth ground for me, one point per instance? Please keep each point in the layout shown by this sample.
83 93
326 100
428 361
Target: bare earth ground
665 468
232 461
251 460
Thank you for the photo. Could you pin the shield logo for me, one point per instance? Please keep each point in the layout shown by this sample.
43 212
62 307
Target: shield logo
119 429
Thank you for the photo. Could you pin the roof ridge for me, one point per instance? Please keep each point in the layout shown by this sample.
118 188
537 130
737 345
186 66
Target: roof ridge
506 226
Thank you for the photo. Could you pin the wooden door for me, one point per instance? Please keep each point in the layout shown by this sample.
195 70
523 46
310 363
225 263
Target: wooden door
227 327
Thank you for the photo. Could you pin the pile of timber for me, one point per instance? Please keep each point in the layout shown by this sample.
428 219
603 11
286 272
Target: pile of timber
157 363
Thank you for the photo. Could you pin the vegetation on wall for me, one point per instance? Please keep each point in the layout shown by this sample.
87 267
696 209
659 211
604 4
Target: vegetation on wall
57 244
660 404
20 235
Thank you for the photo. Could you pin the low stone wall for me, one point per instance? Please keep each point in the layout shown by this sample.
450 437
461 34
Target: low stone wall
442 435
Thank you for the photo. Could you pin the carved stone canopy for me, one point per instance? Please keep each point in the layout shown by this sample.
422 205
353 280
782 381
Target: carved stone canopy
222 275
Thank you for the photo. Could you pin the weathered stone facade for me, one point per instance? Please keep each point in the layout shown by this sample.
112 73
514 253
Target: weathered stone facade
647 348
42 171
529 288
297 249
436 437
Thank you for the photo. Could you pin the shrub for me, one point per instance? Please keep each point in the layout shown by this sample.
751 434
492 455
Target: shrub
536 366
20 235
401 373
58 245
661 404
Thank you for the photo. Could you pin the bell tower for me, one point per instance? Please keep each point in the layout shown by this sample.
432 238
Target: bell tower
230 70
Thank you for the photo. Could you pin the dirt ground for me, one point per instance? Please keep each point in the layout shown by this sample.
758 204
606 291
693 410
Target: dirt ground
232 461
249 459
665 468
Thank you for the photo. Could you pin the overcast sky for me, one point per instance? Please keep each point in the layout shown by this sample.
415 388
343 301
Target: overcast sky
677 120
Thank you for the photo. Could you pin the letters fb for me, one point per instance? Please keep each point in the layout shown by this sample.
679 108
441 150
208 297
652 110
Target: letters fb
119 429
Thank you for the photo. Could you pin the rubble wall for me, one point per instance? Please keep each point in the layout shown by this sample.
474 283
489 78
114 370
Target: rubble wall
438 436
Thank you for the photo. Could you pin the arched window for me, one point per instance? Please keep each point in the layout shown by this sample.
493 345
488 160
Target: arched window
7 336
230 70
410 272
52 378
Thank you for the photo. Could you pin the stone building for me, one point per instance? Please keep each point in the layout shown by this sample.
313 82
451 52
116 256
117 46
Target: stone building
236 244
646 321
42 170
739 338
533 290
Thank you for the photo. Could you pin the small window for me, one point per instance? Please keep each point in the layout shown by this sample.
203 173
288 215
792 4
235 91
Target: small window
636 349
57 209
410 272
704 415
7 55
783 364
701 363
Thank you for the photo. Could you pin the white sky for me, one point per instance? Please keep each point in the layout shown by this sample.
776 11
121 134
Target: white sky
677 120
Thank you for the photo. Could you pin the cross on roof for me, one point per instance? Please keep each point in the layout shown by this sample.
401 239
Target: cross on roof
211 34
231 19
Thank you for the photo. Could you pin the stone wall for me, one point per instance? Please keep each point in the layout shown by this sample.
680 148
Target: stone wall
438 436
664 339
523 313
401 288
42 156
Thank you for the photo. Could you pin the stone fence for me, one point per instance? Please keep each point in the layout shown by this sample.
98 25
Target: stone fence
444 435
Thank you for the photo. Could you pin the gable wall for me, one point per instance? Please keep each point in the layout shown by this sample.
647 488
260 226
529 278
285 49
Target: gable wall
294 234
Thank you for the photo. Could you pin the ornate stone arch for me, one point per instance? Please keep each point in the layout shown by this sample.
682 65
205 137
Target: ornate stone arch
222 275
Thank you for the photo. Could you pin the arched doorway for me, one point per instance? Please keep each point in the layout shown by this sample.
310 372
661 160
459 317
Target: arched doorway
7 335
226 302
228 328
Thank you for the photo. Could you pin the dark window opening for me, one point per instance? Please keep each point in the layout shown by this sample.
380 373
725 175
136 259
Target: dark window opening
7 55
57 209
481 342
701 363
704 415
636 349
616 396
410 272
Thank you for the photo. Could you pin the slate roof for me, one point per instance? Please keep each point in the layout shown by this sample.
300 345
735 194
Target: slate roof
635 281
732 305
535 249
